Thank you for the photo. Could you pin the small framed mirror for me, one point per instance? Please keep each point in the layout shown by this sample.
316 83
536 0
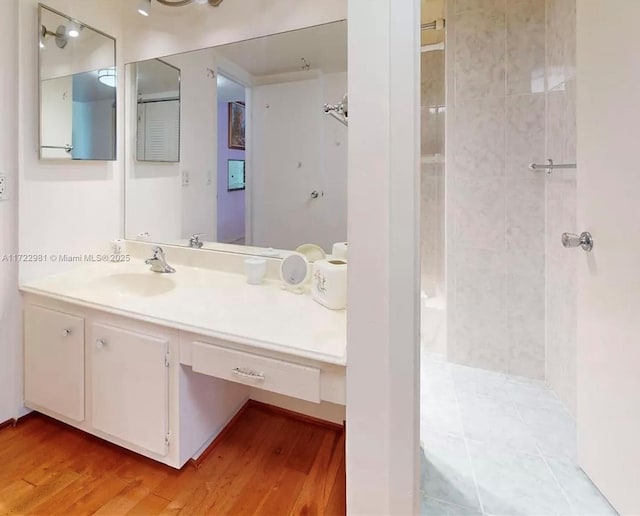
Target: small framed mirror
158 94
78 89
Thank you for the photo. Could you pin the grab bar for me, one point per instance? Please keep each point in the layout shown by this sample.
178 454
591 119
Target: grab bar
550 166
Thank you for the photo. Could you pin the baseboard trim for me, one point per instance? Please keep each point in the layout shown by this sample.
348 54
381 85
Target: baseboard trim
296 415
8 422
196 463
13 422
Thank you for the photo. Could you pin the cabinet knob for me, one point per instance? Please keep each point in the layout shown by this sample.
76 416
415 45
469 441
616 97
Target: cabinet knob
66 332
100 343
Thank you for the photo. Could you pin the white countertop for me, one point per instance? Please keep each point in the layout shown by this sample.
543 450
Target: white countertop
211 303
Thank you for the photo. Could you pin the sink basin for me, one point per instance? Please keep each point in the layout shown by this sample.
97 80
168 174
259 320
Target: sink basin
134 284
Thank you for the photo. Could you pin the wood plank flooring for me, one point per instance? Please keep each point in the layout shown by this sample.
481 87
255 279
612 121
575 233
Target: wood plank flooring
266 464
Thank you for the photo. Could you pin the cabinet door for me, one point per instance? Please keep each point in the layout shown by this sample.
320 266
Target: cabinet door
54 362
130 386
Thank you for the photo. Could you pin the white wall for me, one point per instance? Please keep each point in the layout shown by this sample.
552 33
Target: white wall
296 149
70 207
169 30
10 316
384 279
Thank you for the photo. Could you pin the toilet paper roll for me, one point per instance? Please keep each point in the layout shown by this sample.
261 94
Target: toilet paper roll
340 250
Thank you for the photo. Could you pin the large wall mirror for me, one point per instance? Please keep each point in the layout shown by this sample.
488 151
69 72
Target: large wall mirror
78 83
232 147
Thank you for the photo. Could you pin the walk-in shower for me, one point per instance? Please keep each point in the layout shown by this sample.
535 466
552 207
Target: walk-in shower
498 364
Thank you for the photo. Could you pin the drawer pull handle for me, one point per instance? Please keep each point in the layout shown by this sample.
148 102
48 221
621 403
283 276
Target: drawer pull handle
100 343
248 373
66 332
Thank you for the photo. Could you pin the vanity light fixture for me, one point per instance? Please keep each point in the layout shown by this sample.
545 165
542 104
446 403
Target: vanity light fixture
107 76
144 6
61 36
73 30
175 3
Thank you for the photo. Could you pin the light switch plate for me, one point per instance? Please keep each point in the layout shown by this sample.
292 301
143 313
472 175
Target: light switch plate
185 178
4 196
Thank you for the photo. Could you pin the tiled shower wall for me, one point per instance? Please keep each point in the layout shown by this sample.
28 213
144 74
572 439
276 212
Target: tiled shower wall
511 101
495 205
432 169
561 200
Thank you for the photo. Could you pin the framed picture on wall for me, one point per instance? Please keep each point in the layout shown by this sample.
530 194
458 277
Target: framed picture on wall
235 175
236 125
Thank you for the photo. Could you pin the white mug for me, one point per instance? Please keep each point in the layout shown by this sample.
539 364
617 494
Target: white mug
255 269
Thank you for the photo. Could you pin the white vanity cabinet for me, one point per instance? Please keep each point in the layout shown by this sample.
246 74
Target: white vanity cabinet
157 390
54 362
130 386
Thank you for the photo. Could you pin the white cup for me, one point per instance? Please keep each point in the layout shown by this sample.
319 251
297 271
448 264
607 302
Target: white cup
255 269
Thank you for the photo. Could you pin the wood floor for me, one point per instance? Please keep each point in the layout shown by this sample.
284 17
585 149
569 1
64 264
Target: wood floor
266 464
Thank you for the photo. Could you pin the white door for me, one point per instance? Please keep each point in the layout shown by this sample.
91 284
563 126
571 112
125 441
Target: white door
130 386
609 277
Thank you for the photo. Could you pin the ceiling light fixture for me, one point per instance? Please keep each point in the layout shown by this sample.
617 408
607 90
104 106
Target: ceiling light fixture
107 76
144 6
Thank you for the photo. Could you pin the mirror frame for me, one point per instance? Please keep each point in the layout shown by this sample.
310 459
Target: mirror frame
42 6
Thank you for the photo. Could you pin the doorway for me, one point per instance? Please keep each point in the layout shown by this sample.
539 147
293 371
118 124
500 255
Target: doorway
231 177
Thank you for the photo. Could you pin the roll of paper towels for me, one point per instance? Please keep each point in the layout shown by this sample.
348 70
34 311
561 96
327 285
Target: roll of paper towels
329 284
339 250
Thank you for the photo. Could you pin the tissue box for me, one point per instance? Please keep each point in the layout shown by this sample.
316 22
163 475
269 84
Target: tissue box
329 283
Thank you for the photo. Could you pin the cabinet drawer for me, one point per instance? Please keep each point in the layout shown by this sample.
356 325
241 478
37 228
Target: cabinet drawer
263 373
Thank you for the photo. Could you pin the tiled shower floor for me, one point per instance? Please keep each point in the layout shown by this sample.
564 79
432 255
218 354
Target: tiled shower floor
498 445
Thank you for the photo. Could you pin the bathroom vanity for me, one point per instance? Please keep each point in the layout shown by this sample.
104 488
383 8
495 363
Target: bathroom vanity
160 363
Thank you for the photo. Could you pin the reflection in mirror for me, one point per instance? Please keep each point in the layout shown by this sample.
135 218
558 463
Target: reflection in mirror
158 134
260 165
77 90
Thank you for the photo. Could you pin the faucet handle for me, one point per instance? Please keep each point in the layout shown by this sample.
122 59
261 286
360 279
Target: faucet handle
158 252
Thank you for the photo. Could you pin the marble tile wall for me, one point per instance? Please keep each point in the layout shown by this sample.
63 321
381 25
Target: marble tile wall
432 184
495 206
561 294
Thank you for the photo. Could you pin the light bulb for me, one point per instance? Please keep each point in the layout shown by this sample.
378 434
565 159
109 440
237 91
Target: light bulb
73 31
144 6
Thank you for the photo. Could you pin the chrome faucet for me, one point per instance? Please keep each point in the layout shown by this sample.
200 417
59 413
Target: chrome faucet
158 262
195 241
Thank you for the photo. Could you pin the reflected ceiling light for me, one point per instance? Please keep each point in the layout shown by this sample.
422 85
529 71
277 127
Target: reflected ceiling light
73 30
144 6
107 76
